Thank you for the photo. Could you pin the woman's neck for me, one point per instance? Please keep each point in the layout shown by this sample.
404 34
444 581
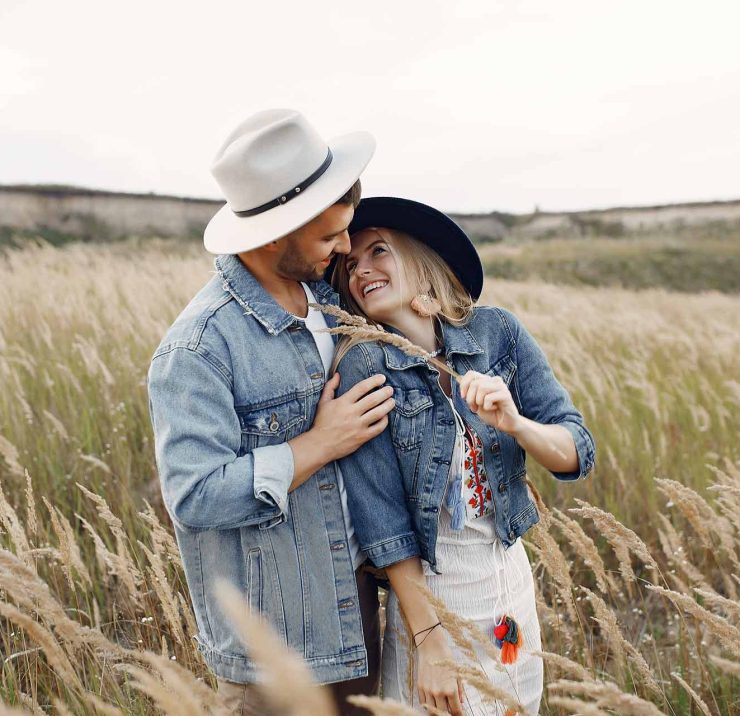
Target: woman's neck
417 329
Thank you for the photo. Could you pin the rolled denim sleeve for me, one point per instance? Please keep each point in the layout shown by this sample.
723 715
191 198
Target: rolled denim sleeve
206 484
272 465
372 477
545 400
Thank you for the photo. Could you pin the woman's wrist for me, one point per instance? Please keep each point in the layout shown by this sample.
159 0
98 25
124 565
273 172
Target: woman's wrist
436 640
520 427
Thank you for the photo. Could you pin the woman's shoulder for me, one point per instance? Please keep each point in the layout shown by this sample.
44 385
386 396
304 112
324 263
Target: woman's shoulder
365 356
494 322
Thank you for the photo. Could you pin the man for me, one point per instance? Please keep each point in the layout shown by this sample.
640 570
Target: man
247 428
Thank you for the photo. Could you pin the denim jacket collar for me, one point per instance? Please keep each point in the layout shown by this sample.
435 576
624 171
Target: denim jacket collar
456 339
256 301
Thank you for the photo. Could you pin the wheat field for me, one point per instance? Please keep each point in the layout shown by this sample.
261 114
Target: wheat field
636 568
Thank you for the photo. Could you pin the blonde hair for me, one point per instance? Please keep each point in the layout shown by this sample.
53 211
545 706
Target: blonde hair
426 272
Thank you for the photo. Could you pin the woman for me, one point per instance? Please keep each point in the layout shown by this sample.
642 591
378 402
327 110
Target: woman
440 497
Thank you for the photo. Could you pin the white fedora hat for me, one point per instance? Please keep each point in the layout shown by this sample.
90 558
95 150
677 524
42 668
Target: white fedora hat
277 174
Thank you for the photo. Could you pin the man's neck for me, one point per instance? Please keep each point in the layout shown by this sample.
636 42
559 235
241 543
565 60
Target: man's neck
286 291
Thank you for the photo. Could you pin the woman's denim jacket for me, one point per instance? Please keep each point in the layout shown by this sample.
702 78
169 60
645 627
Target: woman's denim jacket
396 483
235 378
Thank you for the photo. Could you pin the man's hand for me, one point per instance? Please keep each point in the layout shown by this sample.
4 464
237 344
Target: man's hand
341 425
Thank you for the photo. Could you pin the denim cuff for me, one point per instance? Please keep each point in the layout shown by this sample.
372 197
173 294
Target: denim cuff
584 448
393 550
273 473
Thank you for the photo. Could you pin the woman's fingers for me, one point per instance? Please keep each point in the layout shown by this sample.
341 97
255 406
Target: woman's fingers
467 379
482 386
490 400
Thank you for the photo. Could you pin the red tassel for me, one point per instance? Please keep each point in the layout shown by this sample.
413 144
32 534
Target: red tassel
509 651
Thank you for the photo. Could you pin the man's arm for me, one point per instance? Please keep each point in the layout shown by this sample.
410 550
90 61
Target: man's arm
205 484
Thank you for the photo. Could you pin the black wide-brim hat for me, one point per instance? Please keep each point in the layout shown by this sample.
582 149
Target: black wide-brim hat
428 225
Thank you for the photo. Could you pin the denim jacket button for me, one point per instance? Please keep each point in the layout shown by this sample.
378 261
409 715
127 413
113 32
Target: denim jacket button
495 448
511 534
274 425
502 487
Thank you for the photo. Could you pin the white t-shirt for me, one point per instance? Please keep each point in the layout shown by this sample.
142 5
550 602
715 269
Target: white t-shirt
324 342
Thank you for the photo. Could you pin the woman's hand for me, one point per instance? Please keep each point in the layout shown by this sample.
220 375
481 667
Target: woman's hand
438 686
489 397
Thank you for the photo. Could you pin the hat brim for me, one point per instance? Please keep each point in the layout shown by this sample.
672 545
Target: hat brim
228 233
428 225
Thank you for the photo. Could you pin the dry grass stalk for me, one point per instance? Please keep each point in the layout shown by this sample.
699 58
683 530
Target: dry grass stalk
382 707
619 645
700 515
32 520
727 634
729 667
9 711
167 599
564 664
697 699
342 316
554 561
101 706
465 634
61 709
54 653
586 548
677 554
162 540
608 695
9 453
729 606
9 520
623 540
304 697
69 550
482 684
576 706
179 679
365 332
126 569
30 703
168 700
56 424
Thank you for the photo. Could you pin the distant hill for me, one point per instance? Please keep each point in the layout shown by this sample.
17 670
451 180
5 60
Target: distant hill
64 213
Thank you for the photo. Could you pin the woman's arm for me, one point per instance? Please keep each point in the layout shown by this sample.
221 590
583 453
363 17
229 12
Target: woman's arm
552 445
438 686
550 427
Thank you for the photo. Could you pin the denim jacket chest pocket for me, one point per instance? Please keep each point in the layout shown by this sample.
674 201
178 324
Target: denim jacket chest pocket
505 368
271 424
409 422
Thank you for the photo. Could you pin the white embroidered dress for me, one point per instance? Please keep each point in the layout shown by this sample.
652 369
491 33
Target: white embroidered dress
479 580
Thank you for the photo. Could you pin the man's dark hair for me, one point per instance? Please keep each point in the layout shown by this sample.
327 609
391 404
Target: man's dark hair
352 196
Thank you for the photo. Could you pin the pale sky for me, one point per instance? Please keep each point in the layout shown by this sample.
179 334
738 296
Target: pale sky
476 105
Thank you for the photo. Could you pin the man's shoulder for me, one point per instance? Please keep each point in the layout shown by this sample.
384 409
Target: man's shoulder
200 319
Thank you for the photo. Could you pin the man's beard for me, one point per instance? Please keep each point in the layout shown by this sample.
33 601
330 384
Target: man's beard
292 265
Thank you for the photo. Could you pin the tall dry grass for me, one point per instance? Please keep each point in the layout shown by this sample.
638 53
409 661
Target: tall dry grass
637 580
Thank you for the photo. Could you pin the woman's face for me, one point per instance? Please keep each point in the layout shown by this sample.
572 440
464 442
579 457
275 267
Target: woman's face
376 281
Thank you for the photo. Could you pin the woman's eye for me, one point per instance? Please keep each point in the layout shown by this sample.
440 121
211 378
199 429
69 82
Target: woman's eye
350 268
378 248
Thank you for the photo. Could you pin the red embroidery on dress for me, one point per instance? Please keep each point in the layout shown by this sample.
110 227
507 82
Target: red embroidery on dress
476 480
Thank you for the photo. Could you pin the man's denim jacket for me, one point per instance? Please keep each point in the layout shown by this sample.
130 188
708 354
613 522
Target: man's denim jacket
396 482
233 380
